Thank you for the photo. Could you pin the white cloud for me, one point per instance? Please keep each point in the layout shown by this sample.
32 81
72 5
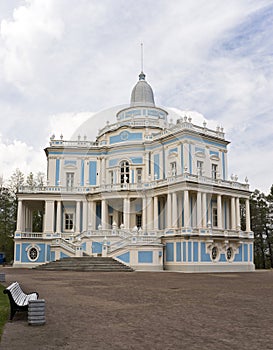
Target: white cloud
26 39
60 58
17 154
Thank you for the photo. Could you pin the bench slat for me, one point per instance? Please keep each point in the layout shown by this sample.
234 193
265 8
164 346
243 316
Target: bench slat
18 299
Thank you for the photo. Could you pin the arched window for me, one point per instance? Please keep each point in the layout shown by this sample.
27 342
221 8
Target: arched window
124 172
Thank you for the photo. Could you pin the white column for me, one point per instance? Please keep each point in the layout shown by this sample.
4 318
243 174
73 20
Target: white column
233 214
179 208
155 213
91 215
174 210
103 171
144 213
103 214
78 212
248 228
84 215
150 216
219 211
59 217
186 209
126 213
204 209
238 214
19 215
169 210
199 210
49 216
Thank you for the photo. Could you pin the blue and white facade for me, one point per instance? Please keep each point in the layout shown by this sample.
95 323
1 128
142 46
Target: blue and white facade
152 194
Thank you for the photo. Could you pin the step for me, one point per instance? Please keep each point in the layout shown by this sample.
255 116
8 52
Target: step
101 264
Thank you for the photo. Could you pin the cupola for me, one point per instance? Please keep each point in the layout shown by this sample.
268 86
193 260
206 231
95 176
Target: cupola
142 93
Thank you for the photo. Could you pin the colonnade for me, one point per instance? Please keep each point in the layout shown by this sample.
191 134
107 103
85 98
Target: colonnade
172 210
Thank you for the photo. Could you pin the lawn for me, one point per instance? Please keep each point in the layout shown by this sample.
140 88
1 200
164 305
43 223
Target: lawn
4 309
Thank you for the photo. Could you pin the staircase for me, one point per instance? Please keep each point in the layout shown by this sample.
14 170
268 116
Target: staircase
96 264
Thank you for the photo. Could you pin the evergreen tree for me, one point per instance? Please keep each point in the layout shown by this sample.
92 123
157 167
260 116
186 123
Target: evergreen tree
7 222
261 207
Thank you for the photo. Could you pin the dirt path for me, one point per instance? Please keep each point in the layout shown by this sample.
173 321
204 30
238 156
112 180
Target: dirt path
145 311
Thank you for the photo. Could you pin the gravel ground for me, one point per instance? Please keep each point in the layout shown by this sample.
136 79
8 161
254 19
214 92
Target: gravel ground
145 310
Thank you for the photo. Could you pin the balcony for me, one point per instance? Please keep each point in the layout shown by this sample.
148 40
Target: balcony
172 180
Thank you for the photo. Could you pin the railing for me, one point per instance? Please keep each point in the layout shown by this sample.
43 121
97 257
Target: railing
65 245
103 233
34 235
137 186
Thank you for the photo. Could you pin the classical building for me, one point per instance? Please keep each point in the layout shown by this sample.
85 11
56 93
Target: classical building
148 192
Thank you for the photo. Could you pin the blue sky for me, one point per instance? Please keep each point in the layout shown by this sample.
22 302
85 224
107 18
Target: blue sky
62 61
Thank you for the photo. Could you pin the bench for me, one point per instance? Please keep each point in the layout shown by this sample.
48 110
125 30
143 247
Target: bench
18 299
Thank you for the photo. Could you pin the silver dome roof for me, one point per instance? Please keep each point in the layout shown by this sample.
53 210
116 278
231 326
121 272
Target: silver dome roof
142 94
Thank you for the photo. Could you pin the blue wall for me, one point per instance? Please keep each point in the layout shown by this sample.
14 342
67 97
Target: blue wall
57 175
125 257
92 172
169 251
97 247
145 257
156 166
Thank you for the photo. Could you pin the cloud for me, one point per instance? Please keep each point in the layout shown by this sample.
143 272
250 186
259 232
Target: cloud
17 154
26 38
59 59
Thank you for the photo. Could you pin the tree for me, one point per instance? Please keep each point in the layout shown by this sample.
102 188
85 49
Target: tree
7 222
16 181
261 207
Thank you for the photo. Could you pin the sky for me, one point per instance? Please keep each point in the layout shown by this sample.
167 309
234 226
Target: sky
61 62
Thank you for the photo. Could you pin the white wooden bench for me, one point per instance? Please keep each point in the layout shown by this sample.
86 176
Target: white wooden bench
18 299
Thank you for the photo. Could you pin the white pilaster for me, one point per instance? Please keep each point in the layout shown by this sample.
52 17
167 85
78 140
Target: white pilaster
248 228
219 212
233 214
238 214
186 209
204 209
84 215
155 213
19 216
169 210
174 210
144 213
59 217
199 210
78 212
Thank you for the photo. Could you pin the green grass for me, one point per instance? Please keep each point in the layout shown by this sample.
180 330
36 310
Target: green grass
4 309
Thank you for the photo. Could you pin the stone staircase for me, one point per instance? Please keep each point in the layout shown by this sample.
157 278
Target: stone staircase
86 263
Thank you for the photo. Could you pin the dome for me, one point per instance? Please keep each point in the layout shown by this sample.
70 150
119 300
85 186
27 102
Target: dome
142 94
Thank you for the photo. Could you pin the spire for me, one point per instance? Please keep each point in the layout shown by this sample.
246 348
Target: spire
141 75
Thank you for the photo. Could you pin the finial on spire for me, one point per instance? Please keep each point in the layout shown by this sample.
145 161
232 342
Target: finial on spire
141 75
141 57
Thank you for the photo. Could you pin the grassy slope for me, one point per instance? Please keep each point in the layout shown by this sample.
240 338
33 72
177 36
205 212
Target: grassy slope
4 309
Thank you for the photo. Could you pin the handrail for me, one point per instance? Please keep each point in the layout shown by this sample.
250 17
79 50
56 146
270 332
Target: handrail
138 186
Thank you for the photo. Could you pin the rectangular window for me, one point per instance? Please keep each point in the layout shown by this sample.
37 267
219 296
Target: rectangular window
68 225
138 220
69 180
111 220
139 175
214 171
214 217
111 176
173 169
200 168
